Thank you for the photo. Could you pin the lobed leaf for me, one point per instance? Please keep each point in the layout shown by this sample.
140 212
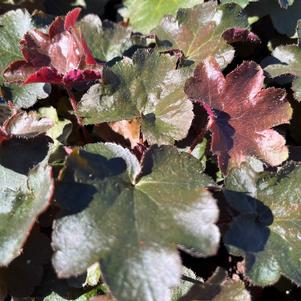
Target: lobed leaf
239 110
148 88
267 230
198 31
59 57
145 15
136 216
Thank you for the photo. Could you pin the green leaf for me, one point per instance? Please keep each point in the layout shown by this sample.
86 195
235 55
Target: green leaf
93 275
85 297
242 3
267 230
284 20
106 40
61 128
198 31
14 24
135 218
22 200
145 15
288 60
25 96
147 87
185 284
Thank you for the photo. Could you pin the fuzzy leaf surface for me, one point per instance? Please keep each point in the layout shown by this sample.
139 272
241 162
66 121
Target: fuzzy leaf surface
148 88
145 15
267 230
14 25
135 218
22 200
198 31
239 110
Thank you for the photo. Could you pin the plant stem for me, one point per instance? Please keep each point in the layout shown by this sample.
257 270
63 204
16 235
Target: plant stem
189 279
73 103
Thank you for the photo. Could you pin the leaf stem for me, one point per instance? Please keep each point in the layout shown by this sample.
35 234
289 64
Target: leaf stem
192 280
73 103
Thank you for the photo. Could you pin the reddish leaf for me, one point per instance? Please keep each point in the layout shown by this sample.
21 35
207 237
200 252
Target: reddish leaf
3 136
71 18
129 129
45 74
81 76
241 113
60 57
234 35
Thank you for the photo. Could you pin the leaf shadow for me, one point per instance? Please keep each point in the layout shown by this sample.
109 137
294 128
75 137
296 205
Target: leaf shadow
21 155
249 230
222 138
72 194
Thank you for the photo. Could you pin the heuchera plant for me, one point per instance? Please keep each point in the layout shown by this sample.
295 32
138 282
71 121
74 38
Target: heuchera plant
59 57
173 173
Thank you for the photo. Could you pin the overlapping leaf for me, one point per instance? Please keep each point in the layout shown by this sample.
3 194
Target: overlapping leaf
241 113
14 25
26 125
22 200
288 59
59 57
106 40
145 15
197 31
60 130
85 297
135 217
148 88
267 231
